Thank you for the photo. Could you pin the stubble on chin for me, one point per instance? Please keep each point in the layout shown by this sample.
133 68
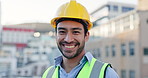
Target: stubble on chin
79 51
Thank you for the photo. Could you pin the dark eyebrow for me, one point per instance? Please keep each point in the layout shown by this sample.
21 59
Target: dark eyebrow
76 29
61 28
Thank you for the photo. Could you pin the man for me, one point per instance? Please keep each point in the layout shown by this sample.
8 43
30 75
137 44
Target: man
71 25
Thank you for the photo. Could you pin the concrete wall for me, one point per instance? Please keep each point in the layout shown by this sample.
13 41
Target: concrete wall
143 42
143 5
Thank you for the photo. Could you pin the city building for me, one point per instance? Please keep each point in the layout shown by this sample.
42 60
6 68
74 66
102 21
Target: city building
143 5
7 53
7 61
34 70
123 42
13 41
37 56
16 36
109 11
16 42
20 34
33 45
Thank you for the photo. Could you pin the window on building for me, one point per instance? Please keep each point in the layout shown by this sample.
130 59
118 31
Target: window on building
44 53
26 72
19 72
43 68
123 50
113 50
35 70
145 51
132 48
126 9
131 74
36 52
108 7
107 51
115 8
99 52
123 74
94 53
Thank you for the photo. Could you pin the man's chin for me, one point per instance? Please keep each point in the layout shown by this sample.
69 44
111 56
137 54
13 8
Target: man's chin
69 55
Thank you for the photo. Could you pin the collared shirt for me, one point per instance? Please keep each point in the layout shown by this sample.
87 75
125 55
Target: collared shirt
110 73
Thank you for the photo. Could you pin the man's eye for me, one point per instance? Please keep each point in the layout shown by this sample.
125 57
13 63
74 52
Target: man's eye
76 32
61 32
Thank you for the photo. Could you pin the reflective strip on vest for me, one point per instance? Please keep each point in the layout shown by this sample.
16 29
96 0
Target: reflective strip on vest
96 69
50 69
56 73
103 70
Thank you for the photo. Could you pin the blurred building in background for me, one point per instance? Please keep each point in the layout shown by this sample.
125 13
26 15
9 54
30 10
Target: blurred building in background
143 5
16 36
26 50
118 37
7 62
123 42
14 40
109 11
36 57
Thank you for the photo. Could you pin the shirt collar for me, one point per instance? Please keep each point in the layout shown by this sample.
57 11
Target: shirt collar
88 56
58 61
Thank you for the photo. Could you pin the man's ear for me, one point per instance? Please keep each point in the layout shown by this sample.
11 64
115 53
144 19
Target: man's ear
87 36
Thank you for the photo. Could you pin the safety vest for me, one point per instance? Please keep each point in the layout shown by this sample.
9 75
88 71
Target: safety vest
96 69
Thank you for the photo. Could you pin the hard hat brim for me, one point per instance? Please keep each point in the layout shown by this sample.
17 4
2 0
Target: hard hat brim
53 21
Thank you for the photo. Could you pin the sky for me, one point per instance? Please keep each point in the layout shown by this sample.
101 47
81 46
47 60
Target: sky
27 11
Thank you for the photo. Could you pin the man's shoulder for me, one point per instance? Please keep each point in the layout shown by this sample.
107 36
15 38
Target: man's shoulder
110 73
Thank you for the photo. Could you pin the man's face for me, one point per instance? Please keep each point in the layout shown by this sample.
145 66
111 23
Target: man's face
71 38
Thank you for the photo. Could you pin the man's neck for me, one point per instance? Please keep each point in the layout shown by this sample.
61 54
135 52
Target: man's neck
69 64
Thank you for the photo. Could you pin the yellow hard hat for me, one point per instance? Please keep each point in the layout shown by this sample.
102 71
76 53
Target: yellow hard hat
72 9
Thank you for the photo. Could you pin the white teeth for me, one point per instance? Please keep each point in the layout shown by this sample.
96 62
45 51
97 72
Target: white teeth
69 46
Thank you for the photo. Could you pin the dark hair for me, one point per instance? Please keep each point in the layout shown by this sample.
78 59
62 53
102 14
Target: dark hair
83 22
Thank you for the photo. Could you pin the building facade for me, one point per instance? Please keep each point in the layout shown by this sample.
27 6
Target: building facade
8 62
36 57
13 41
27 50
109 11
123 42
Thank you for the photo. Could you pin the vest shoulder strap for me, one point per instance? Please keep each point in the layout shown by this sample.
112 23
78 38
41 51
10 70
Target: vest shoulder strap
99 69
103 70
96 69
49 72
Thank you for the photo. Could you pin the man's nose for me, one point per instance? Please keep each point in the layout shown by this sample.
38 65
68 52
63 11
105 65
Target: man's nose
69 37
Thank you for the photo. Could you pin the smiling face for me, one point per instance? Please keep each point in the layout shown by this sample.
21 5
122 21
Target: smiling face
71 38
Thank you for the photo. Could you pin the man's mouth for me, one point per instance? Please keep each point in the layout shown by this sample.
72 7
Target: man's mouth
69 46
